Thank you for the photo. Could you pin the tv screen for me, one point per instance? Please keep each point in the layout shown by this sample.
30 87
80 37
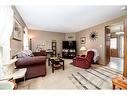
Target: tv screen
69 44
65 44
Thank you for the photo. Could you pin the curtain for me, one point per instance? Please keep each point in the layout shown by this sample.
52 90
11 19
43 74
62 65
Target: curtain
6 28
6 23
25 39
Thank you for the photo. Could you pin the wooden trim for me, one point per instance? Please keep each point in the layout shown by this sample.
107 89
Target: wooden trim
125 48
107 45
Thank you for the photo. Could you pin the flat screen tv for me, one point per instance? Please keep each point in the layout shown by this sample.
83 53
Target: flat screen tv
69 44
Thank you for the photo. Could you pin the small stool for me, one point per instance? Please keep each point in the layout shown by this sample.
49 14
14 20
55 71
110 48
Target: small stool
119 82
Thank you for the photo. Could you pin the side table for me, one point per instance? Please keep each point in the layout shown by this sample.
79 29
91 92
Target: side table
19 73
120 82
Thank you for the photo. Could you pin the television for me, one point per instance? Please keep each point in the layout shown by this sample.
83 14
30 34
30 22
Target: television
69 44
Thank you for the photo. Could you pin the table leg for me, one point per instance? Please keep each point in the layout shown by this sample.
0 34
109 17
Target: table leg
63 65
52 68
113 86
48 62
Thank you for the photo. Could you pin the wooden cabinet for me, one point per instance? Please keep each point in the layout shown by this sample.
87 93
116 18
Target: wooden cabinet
54 45
69 53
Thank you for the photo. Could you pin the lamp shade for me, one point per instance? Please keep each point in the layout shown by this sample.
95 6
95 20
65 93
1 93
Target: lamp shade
83 48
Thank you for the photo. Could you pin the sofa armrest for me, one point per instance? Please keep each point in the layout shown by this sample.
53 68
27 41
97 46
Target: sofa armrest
24 62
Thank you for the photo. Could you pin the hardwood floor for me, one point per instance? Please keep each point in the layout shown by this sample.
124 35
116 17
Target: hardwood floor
116 63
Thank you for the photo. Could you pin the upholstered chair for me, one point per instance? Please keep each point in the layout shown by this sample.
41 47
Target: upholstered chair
85 61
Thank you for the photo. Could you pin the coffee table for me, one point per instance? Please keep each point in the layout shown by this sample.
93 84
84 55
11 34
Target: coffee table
56 63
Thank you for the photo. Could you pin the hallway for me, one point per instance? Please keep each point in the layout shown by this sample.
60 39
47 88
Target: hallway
116 63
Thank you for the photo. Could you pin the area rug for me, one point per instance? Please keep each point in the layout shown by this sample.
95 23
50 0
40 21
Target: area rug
95 78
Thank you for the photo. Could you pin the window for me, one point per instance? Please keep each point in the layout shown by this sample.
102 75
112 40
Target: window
25 40
121 46
113 43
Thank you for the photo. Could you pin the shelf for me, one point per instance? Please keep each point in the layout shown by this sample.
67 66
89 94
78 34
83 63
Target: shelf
54 48
69 53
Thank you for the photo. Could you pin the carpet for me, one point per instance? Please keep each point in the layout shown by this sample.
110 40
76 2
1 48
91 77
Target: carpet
95 78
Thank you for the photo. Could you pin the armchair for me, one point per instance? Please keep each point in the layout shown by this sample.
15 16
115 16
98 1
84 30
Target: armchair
85 61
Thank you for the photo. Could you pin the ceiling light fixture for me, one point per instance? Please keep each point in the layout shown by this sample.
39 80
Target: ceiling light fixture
124 8
119 33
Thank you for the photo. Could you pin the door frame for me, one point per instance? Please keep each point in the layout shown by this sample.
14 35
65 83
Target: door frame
120 48
107 45
125 49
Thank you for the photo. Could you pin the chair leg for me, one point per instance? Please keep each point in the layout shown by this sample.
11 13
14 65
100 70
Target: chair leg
113 87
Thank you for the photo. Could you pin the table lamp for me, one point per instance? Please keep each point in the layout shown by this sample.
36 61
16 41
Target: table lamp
83 49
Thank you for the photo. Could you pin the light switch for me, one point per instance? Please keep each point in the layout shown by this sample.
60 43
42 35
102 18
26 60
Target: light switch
100 46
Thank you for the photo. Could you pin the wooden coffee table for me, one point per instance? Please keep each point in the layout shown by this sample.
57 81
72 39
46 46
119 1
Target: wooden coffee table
56 63
120 82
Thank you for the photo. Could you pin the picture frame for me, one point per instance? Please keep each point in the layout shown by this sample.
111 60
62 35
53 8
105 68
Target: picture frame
17 31
83 40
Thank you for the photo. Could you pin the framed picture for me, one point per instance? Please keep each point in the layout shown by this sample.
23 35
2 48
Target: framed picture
17 31
83 40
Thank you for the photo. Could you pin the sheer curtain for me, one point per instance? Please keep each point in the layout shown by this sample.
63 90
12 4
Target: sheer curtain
25 39
6 28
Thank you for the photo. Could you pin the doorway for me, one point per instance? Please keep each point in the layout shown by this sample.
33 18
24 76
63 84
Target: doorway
121 46
115 46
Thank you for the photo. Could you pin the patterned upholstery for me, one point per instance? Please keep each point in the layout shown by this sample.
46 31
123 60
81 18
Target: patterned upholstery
84 62
23 54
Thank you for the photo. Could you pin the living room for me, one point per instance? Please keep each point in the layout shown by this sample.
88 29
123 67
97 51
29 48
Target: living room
50 43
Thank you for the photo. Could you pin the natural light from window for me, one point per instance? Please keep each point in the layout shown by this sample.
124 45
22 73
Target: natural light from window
25 39
113 43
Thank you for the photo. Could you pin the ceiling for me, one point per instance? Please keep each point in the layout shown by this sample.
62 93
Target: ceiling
67 18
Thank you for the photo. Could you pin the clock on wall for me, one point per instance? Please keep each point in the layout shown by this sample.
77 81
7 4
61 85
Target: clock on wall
93 35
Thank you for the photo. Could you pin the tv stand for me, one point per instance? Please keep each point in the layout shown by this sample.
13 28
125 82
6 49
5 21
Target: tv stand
68 53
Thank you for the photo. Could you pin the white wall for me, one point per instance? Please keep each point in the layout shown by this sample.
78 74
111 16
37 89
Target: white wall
99 43
44 39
